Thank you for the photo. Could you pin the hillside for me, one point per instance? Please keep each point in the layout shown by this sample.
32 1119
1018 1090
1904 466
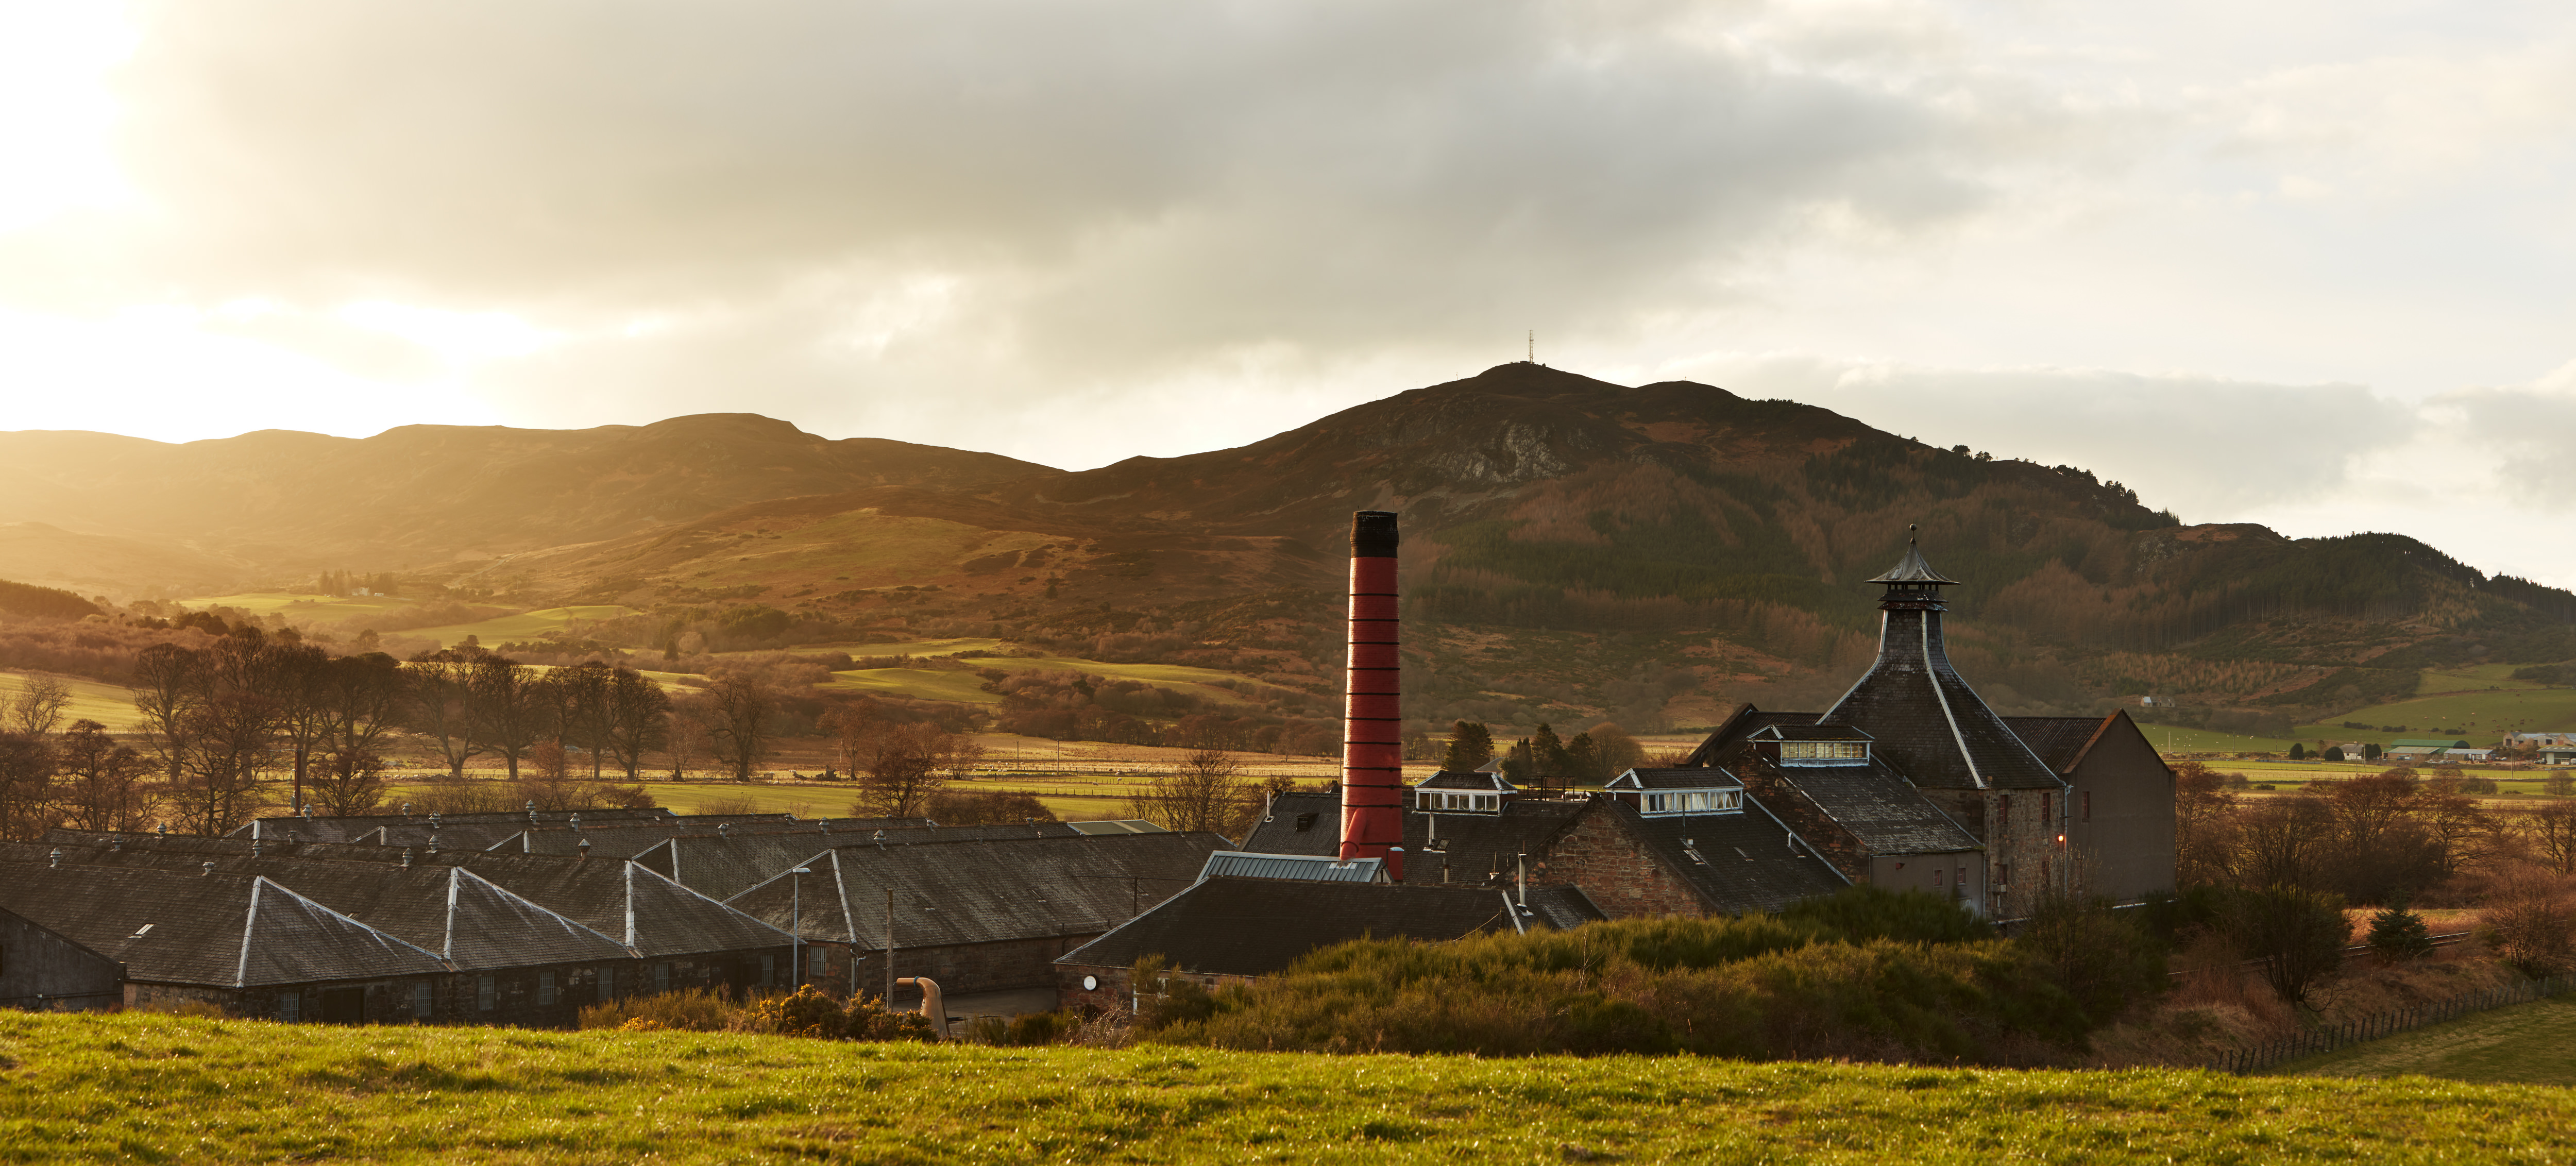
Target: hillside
1574 549
90 1088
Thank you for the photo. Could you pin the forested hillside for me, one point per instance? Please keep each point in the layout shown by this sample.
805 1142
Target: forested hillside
1573 549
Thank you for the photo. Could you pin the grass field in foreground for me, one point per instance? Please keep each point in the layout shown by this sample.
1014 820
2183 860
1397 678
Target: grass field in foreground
111 705
86 1088
2531 1044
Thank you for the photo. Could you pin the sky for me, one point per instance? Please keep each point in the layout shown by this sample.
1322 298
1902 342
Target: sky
2300 263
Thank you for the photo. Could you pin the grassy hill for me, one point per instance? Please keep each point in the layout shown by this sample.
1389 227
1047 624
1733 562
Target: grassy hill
126 1087
2533 1044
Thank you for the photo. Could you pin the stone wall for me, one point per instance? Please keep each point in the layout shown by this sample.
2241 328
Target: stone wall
1614 867
42 970
1827 837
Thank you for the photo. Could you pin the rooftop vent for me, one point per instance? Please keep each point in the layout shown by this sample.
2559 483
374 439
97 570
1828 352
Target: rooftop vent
56 857
575 822
255 845
584 847
406 858
206 868
308 811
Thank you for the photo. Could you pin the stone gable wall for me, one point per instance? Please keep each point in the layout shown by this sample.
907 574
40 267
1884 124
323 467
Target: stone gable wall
1614 867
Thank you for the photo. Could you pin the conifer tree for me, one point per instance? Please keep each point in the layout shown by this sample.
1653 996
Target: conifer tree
1470 744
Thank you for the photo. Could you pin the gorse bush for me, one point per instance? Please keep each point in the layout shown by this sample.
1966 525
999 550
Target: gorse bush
1879 977
805 1013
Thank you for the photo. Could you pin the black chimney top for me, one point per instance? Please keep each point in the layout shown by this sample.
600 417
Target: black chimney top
1373 534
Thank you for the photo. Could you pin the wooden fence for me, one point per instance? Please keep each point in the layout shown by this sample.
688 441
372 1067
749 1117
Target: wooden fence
2328 1038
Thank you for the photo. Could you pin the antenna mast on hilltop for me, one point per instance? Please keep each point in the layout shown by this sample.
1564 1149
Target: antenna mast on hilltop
1533 346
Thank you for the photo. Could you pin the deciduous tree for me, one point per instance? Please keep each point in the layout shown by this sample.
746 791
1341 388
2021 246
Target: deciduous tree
39 706
1206 791
101 784
26 781
742 709
638 719
503 708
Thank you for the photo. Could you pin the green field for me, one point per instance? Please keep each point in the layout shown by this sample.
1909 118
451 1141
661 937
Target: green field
917 683
527 625
2530 1044
903 647
134 1086
2482 717
2175 739
108 704
302 605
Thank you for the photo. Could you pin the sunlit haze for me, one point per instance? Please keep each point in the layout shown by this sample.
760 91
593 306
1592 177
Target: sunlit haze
2305 264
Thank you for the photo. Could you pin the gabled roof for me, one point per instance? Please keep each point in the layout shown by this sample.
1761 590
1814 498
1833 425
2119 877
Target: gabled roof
981 891
2062 742
1474 780
1470 847
1739 863
1709 777
217 930
323 828
1738 728
1926 720
1880 808
721 867
2428 743
626 839
1796 732
1255 927
1316 868
629 904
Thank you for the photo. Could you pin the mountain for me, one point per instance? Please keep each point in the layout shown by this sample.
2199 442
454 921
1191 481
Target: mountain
286 504
1573 548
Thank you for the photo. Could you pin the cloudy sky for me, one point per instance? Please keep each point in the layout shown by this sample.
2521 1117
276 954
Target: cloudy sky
2303 263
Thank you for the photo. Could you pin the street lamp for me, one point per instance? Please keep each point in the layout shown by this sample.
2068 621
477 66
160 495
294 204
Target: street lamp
796 920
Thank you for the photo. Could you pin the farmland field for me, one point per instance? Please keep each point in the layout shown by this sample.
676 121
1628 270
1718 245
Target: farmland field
2480 716
2175 739
492 633
2532 1044
137 1086
111 705
302 605
917 683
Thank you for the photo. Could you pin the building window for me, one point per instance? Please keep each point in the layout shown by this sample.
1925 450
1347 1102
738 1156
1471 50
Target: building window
2088 805
290 1007
607 984
1936 876
545 989
2003 875
815 963
1450 801
768 971
424 1000
1715 801
2003 811
661 977
2045 817
1824 751
487 990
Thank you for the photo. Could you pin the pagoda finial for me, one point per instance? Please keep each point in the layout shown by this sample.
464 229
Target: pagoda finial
1910 528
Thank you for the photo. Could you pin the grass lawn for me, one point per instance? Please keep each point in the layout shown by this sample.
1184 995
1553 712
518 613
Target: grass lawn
125 1087
109 704
2175 739
492 633
903 648
2530 1044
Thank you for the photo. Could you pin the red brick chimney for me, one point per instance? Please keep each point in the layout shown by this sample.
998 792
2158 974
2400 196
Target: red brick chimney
1372 716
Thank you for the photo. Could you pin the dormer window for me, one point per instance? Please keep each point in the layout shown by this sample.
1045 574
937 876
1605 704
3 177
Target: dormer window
1697 801
1824 752
1447 800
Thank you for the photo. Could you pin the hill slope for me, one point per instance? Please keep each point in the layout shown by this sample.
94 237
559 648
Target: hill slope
1573 548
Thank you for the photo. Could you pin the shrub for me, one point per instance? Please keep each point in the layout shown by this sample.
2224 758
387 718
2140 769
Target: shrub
809 1013
2559 783
2299 935
2530 923
2100 959
691 1009
1866 912
2398 935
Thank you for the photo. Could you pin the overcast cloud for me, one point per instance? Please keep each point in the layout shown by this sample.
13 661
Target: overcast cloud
2302 263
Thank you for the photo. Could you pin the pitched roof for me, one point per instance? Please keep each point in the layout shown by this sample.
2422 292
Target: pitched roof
626 839
1322 868
1739 863
721 867
216 930
1471 846
1926 719
323 828
1738 727
1911 569
1880 808
1255 927
2061 741
981 891
1467 779
1796 732
1705 777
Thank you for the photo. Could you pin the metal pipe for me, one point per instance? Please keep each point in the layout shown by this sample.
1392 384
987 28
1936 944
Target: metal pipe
1372 710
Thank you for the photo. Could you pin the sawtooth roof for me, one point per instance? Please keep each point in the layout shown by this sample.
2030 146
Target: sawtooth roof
1256 927
981 891
220 930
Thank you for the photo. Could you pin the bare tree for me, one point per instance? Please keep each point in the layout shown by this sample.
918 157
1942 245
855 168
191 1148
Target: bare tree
26 781
293 675
231 734
905 765
441 707
1206 791
349 782
100 784
39 706
364 696
688 734
167 680
636 719
743 708
851 724
2551 831
504 707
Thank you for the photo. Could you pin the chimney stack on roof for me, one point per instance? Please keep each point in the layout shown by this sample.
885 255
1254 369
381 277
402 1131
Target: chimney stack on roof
1372 708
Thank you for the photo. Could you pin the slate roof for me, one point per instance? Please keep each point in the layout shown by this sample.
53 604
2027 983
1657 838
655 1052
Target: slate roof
219 930
1880 808
1739 863
627 839
1738 728
1255 927
982 891
2061 741
629 904
349 829
1796 732
722 867
1911 569
1706 777
1468 779
1472 846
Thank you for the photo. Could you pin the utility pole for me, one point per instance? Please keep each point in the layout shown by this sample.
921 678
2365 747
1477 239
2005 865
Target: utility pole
1533 346
796 920
889 995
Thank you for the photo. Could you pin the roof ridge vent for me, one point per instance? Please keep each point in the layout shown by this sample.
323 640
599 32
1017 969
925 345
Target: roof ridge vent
56 858
406 858
206 868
